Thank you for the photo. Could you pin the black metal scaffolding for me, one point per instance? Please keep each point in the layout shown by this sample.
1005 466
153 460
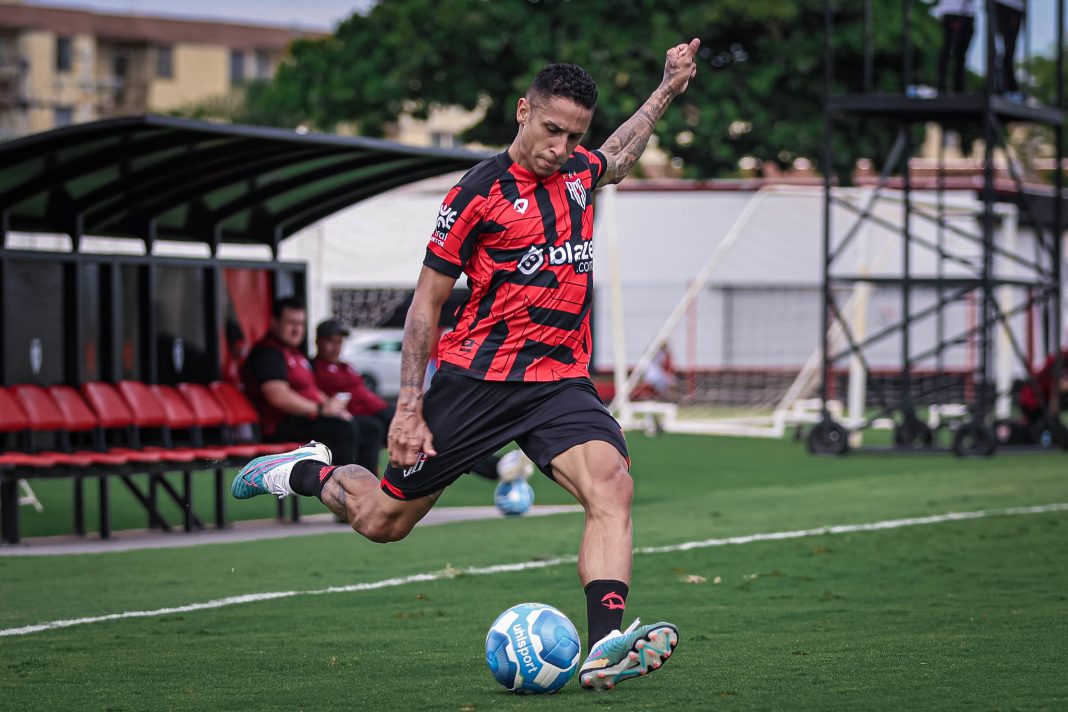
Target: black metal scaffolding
975 276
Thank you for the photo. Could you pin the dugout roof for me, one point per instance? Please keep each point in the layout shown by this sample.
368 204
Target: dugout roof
156 177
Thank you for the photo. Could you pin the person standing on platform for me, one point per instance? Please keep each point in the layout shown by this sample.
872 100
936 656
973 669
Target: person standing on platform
958 26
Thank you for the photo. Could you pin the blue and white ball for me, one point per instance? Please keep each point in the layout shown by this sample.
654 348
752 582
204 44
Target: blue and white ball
514 498
532 648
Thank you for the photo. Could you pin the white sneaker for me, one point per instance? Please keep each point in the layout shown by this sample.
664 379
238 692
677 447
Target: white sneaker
514 465
270 474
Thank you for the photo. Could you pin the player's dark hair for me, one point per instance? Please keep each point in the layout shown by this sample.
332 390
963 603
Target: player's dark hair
284 303
569 81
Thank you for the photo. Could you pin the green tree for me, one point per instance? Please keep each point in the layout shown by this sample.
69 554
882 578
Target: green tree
759 89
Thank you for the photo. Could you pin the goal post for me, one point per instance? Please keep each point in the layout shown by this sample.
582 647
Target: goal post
740 355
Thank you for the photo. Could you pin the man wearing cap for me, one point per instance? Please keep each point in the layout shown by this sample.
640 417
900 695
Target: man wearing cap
280 382
338 379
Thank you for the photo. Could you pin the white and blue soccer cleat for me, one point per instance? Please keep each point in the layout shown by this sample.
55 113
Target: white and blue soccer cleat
270 474
633 653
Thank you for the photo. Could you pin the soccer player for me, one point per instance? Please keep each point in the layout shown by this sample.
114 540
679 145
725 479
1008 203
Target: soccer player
520 226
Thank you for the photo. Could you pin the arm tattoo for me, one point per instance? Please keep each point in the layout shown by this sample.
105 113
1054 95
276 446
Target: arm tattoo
626 145
415 351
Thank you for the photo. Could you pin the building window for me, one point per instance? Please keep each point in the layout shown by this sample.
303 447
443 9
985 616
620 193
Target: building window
165 62
237 66
62 116
63 54
263 64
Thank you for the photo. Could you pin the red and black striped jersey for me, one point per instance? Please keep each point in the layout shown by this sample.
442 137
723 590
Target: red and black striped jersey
526 247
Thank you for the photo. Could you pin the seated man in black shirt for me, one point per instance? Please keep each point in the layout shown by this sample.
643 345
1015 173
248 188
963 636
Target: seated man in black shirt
280 382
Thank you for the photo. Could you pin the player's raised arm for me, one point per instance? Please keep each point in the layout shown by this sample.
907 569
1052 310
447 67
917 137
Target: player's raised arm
625 146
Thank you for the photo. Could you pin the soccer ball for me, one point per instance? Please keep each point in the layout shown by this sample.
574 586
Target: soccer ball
514 465
532 648
514 498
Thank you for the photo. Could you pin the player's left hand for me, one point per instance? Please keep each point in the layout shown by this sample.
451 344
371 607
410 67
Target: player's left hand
680 66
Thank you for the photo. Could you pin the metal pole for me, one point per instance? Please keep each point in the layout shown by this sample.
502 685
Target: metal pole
1058 230
906 273
987 298
828 167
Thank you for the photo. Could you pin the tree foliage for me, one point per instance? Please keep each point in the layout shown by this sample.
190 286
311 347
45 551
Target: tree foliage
759 90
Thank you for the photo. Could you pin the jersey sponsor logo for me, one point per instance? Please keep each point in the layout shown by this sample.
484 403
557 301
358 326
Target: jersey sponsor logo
446 216
416 467
438 238
521 205
532 261
577 191
577 254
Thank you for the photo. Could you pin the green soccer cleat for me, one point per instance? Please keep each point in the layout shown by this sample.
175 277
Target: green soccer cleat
632 653
270 474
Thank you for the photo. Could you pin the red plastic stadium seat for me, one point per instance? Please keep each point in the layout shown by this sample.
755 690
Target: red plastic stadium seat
109 406
112 412
145 407
238 410
41 411
12 418
179 416
206 408
44 415
210 413
77 415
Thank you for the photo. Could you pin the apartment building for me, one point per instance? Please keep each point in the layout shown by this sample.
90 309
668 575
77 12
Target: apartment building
61 66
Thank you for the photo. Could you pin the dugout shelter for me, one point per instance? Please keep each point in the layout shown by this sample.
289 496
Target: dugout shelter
99 300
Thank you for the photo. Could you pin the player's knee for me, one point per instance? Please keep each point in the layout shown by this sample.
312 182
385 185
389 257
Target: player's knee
613 489
621 486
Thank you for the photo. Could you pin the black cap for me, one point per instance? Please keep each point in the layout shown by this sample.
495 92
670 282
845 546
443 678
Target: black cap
329 328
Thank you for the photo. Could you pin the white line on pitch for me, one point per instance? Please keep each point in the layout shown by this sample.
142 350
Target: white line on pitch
528 565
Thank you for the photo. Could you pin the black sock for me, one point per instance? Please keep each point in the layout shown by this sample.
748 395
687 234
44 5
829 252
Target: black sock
605 601
309 476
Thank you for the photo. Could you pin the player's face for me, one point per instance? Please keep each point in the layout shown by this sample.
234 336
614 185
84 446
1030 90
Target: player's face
329 347
289 327
550 128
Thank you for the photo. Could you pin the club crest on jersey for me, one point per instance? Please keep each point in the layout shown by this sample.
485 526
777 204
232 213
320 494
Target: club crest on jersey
521 205
577 191
446 216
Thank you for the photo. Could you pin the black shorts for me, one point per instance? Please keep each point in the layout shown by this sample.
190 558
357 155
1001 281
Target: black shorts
471 419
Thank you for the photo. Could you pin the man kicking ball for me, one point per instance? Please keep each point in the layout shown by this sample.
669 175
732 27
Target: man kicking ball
520 226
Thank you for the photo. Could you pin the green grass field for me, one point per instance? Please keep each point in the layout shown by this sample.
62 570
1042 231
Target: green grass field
958 615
